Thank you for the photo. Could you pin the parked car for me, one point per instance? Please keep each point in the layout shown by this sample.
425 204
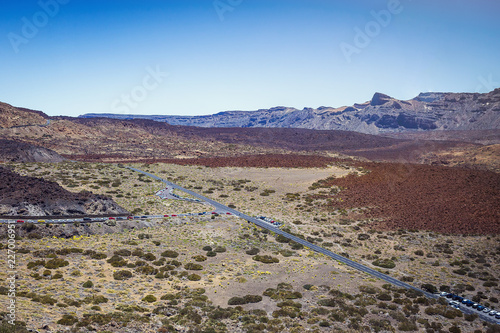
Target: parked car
112 218
443 293
475 305
20 221
130 218
87 219
455 304
165 215
486 310
492 313
41 221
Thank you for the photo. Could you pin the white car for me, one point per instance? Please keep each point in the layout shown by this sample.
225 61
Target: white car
454 304
492 313
486 310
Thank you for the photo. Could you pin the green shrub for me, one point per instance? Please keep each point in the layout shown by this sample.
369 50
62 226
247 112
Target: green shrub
147 270
266 259
123 253
207 248
56 263
429 287
68 320
369 289
149 299
236 301
220 249
363 236
122 275
35 264
117 261
193 267
199 258
98 256
211 254
384 263
384 297
88 284
170 254
253 251
149 257
194 277
252 298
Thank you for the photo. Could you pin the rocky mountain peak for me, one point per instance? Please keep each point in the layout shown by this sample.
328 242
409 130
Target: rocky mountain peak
379 99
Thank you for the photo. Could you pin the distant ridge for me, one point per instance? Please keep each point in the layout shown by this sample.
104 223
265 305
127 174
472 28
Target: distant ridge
382 114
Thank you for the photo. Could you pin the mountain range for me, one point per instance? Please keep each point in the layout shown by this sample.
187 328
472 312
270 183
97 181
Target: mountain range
382 114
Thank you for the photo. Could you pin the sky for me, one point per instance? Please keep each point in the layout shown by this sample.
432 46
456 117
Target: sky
197 57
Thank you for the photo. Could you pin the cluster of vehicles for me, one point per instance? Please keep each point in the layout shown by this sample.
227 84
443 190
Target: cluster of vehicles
456 301
270 221
104 219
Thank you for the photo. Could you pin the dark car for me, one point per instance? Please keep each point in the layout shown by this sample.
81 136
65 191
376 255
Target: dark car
87 219
144 217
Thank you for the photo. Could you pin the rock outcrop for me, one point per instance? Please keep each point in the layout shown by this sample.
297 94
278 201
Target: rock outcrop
30 196
382 114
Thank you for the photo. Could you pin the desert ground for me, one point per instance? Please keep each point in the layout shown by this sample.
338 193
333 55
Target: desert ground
203 274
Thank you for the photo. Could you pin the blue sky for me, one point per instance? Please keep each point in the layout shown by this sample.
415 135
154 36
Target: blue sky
194 57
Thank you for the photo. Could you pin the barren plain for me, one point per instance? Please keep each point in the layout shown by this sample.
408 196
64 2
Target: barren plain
218 273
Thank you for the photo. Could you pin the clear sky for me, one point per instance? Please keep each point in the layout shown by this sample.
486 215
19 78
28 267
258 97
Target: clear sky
194 57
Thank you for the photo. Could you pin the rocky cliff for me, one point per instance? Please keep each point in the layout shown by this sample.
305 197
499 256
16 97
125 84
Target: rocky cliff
427 111
30 196
14 151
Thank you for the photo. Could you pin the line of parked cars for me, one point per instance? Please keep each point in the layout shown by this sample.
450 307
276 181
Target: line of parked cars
269 220
456 301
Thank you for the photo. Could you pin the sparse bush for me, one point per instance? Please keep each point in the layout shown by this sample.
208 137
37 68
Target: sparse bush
67 320
122 275
88 284
429 287
253 251
194 277
123 253
56 263
363 237
211 254
266 259
384 263
199 258
252 298
149 299
220 249
193 267
207 248
170 254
